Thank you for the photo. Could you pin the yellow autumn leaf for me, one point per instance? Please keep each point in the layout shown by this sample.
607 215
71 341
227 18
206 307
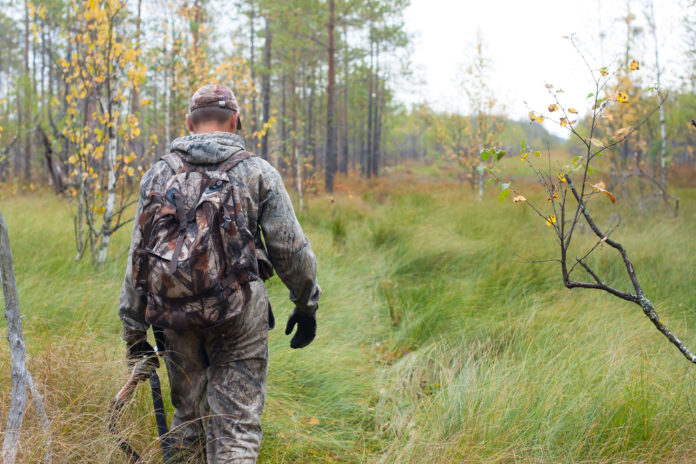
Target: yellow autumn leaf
518 199
600 187
634 65
603 71
524 157
572 110
532 116
313 421
553 107
561 177
550 220
622 97
555 195
540 118
564 122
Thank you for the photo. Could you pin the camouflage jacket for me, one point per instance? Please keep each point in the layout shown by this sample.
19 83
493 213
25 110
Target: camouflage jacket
270 211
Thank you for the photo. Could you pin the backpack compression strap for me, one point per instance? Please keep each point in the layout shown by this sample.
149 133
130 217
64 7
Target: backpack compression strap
176 163
233 160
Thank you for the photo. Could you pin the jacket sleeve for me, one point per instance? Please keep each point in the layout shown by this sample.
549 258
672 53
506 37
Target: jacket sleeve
131 305
288 248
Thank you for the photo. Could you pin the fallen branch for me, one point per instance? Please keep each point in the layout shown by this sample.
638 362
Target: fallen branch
21 378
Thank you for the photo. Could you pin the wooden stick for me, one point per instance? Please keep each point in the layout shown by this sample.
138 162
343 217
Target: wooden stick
18 398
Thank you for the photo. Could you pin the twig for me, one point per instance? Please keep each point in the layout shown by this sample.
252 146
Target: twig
638 297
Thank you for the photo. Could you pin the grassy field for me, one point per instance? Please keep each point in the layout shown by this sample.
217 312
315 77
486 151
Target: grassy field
437 343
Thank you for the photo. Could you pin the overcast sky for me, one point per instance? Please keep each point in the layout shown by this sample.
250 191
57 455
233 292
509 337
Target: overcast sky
525 44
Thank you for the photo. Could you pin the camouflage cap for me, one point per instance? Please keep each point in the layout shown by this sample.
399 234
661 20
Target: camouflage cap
215 95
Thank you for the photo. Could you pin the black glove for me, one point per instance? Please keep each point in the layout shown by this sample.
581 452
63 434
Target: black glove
306 328
139 350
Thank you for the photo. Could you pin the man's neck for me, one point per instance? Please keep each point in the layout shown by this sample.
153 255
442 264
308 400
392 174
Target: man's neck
210 128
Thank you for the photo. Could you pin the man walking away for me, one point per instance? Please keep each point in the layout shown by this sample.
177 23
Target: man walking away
213 222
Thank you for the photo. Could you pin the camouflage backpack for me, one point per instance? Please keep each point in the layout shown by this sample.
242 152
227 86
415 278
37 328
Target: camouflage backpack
197 255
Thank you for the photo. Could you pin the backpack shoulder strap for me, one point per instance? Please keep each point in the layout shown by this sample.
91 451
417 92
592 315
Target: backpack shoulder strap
175 162
233 160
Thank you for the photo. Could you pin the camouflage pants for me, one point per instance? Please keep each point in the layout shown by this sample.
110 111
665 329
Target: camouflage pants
218 386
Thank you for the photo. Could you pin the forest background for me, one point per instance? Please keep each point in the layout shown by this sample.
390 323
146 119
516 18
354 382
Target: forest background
440 340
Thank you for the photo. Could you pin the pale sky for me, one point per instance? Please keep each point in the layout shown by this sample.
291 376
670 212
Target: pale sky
525 44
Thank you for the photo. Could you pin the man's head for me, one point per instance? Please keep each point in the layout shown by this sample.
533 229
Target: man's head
213 108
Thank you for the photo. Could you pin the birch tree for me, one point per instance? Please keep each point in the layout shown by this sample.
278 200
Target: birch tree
571 192
101 74
485 125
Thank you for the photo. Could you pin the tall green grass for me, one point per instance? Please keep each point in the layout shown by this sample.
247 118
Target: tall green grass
437 342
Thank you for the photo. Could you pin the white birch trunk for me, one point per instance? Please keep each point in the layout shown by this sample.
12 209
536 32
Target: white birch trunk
79 232
111 150
663 130
18 398
481 170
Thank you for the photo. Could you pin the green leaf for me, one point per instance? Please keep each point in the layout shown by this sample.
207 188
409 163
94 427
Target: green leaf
505 185
485 155
499 154
590 95
576 159
489 180
537 153
503 195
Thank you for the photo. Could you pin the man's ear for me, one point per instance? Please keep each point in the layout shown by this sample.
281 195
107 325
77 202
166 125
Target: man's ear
233 123
189 123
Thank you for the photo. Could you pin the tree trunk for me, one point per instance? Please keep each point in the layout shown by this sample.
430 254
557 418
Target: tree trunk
663 130
252 36
106 230
370 106
344 126
26 85
15 337
330 104
298 168
266 87
377 144
309 145
135 99
377 118
293 118
311 142
283 162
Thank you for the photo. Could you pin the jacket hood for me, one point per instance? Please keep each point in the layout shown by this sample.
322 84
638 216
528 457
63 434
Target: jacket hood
212 148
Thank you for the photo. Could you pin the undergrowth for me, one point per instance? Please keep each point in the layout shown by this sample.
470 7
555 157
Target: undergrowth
437 341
